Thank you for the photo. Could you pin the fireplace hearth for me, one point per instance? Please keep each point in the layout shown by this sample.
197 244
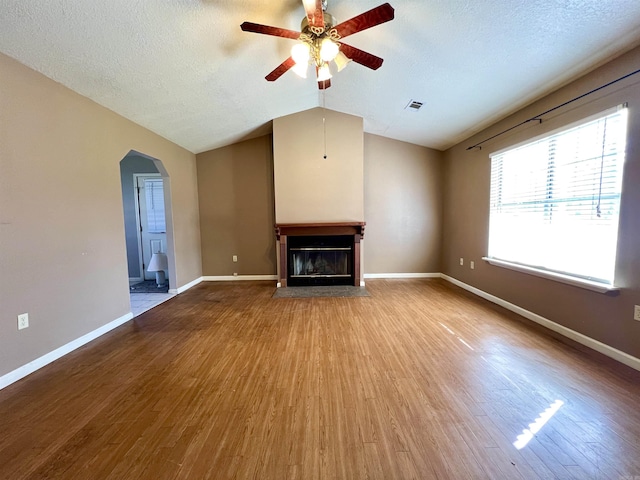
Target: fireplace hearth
319 253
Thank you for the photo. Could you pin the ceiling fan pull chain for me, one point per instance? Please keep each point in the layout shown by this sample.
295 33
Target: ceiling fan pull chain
324 124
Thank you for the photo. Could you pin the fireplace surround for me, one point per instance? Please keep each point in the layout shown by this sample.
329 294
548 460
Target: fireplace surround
319 253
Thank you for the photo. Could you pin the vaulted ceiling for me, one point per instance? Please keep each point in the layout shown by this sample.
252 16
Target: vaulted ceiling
185 70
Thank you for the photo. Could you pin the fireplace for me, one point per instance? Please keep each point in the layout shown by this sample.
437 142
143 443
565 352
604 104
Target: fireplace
319 253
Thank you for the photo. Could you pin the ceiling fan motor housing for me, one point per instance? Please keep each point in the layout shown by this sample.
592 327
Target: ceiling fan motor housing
329 22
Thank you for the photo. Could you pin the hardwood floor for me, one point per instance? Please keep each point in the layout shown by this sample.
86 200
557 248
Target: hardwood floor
418 381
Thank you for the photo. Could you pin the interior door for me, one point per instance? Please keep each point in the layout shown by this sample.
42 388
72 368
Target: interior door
151 212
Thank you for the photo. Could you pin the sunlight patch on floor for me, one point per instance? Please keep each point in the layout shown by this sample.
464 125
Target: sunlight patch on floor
536 426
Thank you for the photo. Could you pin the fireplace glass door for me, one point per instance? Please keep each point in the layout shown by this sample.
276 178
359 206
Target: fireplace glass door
320 261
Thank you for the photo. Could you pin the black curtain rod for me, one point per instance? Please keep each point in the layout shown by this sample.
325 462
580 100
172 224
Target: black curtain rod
537 118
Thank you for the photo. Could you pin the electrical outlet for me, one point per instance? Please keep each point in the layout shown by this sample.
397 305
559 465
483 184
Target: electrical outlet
235 258
23 321
472 265
461 261
235 274
636 313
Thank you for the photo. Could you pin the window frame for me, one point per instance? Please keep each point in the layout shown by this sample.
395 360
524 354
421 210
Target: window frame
567 278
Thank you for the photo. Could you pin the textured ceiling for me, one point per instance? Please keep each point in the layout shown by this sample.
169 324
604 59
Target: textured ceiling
185 70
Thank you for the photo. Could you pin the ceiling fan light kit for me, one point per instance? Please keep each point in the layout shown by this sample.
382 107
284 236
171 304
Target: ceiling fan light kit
320 41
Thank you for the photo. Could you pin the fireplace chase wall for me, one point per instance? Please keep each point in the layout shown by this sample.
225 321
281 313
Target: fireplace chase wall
319 253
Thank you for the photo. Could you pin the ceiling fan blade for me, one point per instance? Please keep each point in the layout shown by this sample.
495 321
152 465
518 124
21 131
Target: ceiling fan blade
365 20
280 69
313 8
323 85
361 57
267 30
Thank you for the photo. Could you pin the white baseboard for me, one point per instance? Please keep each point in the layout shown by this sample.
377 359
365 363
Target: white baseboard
186 286
603 348
401 275
134 280
46 359
229 278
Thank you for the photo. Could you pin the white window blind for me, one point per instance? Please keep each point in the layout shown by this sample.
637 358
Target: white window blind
555 201
154 196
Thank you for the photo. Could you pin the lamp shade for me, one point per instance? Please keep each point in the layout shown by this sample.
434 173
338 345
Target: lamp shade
324 73
158 263
341 61
328 50
300 53
300 69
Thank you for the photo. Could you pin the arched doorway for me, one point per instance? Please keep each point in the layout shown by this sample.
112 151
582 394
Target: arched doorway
146 200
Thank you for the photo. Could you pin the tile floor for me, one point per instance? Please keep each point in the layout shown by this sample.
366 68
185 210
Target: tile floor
141 302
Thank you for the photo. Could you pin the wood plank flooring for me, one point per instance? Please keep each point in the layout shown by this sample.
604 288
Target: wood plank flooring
421 380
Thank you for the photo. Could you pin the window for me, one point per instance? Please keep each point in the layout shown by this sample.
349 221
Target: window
555 201
154 196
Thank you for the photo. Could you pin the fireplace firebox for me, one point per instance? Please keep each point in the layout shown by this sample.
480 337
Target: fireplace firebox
319 253
320 260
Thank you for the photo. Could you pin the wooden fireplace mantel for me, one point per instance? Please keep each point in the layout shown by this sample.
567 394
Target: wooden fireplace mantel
284 230
340 228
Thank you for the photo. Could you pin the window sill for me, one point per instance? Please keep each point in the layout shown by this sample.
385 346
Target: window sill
558 277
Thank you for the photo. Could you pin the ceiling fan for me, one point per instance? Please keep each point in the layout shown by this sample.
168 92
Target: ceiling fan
320 41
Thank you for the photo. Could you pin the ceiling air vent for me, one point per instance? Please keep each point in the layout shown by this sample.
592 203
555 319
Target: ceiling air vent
413 106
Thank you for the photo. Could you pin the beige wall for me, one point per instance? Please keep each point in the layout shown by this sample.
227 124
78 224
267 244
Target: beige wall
309 188
235 190
403 206
608 319
62 242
